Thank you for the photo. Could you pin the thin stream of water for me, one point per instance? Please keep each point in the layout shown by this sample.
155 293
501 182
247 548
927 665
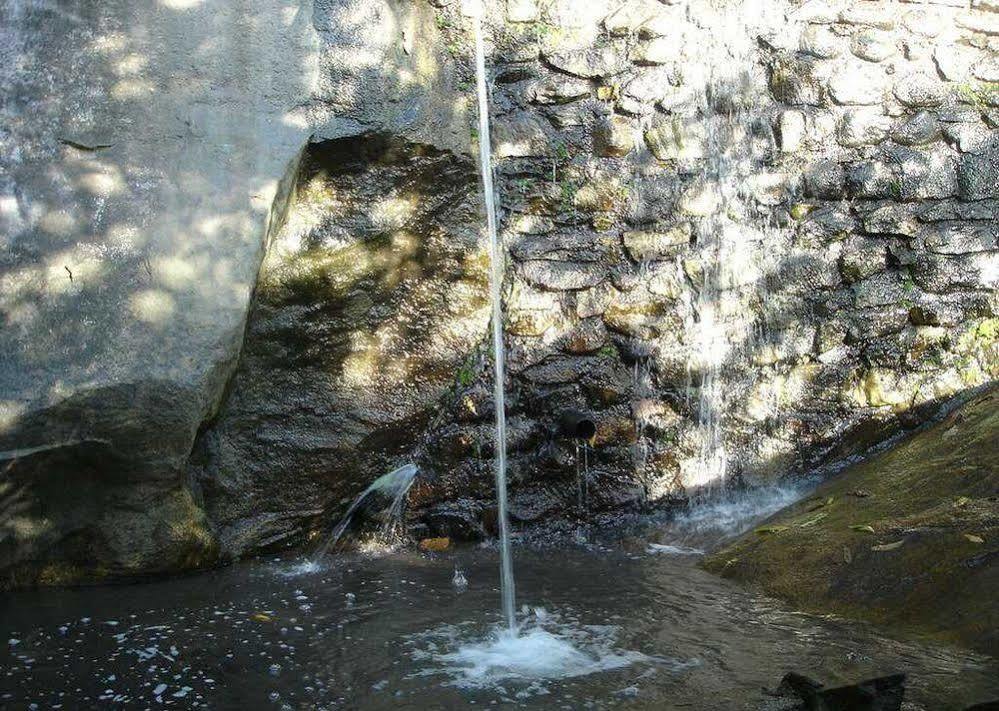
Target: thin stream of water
496 286
396 483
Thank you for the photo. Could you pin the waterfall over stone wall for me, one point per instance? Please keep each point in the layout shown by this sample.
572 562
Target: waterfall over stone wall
748 238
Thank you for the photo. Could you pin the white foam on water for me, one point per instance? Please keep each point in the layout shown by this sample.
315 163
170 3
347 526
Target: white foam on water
712 521
665 549
542 650
300 567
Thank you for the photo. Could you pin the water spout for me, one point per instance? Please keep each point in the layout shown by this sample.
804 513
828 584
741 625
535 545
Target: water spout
395 484
496 286
574 424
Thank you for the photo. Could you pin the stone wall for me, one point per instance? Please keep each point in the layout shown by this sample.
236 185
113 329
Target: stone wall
749 237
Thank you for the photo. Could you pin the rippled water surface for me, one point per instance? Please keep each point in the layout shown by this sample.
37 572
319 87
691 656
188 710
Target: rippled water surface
613 628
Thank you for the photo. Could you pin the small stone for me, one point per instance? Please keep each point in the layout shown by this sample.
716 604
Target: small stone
862 127
872 179
983 23
825 180
819 41
891 219
590 63
532 224
435 545
631 16
519 135
953 62
657 51
916 130
587 337
924 23
559 90
645 246
968 137
673 139
978 174
872 46
792 130
920 90
700 200
987 71
613 136
916 51
521 10
882 17
563 276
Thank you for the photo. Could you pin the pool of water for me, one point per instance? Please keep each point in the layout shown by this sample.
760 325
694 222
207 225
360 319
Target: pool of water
633 624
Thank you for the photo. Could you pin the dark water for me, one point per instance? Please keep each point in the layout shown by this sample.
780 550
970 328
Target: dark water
371 633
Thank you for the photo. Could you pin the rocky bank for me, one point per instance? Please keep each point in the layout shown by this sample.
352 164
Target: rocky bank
907 539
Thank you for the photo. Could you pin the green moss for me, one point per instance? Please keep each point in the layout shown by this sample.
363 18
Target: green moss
978 93
799 211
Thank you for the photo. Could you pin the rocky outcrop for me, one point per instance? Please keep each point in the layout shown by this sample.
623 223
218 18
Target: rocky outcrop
370 300
147 155
908 539
746 266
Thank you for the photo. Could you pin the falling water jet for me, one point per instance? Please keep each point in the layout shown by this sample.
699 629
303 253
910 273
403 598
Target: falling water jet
395 484
496 285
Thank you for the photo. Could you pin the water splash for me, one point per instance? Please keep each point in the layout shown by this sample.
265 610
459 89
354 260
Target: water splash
668 549
546 649
710 522
458 580
495 286
395 484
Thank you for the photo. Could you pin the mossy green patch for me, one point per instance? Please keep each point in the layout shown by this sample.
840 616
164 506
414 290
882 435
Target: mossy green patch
893 540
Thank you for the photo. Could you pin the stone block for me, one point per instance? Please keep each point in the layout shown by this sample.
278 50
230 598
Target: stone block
860 84
862 127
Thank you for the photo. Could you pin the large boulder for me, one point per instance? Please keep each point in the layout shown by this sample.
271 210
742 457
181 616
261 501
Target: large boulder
148 151
369 303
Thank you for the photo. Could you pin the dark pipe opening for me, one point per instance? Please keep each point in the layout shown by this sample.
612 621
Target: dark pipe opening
577 425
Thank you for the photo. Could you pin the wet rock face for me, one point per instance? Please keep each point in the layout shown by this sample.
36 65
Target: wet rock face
369 302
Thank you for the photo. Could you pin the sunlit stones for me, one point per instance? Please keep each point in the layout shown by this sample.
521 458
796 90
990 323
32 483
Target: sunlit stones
393 212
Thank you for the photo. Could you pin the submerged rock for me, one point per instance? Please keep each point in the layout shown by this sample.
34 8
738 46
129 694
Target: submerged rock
884 693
